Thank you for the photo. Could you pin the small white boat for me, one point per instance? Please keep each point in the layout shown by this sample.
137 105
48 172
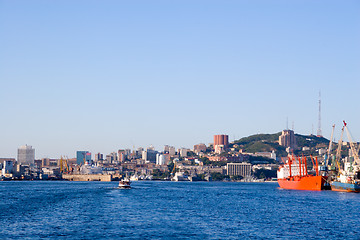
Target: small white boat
124 183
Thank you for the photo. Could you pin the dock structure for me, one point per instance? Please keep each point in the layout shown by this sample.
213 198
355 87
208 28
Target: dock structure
88 177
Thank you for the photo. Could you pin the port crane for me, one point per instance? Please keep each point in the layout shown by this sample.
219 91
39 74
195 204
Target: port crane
338 151
64 165
327 159
354 149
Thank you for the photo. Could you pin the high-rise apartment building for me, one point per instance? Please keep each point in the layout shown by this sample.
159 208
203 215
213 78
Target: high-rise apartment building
82 157
99 157
288 139
221 142
121 155
160 159
149 155
26 155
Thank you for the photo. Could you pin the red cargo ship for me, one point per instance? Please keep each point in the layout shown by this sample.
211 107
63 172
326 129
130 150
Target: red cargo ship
294 175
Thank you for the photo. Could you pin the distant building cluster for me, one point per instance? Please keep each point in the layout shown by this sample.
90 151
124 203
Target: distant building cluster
203 161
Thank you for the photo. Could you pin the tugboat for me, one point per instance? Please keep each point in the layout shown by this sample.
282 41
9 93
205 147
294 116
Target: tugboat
124 183
346 182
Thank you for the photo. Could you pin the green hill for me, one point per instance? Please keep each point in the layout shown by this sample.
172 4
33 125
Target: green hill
259 137
260 143
311 141
269 142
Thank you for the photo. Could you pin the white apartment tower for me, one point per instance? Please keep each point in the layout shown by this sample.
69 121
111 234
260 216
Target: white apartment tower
160 159
26 155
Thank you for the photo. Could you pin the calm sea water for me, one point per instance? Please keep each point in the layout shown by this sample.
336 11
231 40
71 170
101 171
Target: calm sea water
174 210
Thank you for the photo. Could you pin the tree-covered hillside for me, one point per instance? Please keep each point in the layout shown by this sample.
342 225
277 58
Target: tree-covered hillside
259 137
311 141
269 142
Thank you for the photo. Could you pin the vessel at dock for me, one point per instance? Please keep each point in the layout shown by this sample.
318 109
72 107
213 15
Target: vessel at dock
348 186
348 178
294 175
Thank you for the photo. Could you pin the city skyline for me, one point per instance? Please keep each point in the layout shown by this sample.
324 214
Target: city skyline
102 76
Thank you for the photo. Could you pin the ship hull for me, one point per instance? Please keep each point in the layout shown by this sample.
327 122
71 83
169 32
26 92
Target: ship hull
313 183
345 187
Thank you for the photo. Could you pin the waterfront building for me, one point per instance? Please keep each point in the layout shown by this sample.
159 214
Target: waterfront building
20 170
48 162
82 157
287 139
238 169
8 166
71 161
51 171
2 160
26 155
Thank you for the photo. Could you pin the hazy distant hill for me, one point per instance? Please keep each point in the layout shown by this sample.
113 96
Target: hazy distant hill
269 142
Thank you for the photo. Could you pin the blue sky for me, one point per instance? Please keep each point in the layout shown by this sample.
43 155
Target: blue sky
106 75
